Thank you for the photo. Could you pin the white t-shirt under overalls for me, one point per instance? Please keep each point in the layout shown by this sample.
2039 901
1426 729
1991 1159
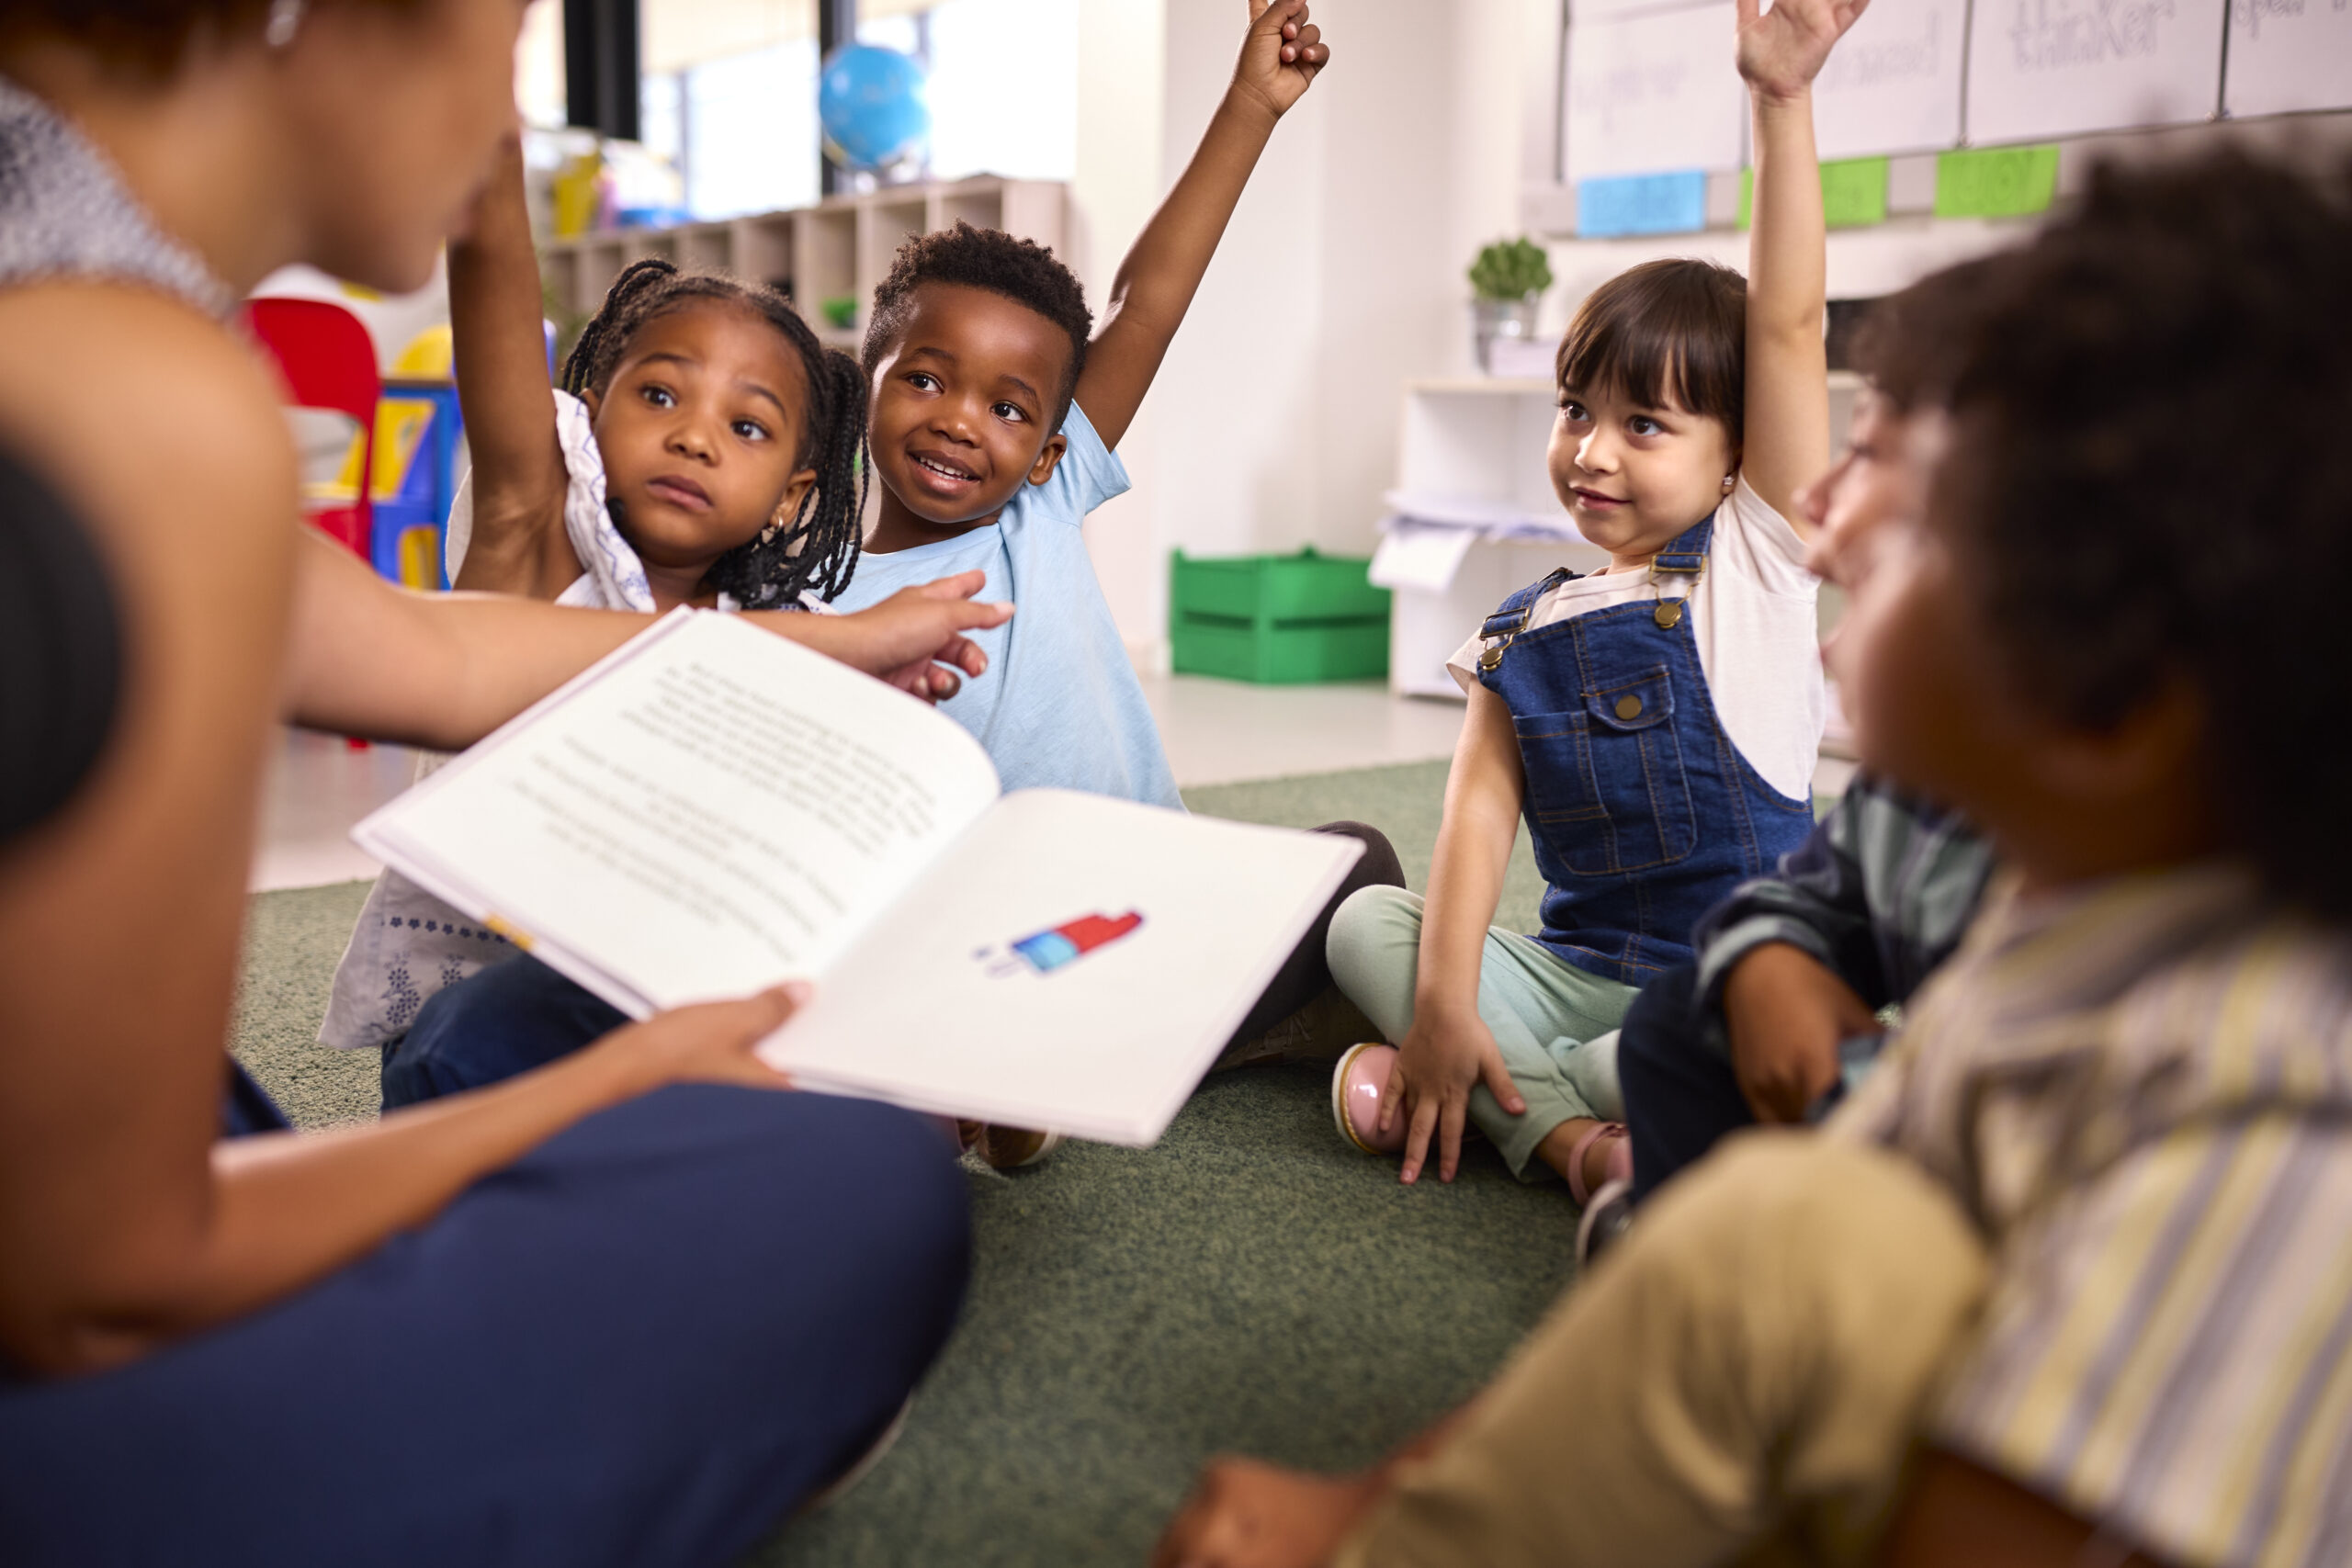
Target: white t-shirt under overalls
1753 614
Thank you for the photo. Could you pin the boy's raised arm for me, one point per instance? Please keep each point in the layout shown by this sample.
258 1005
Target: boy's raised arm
1787 411
1155 282
518 544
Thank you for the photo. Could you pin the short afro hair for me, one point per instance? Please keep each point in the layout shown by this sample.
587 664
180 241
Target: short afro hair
1020 270
2150 480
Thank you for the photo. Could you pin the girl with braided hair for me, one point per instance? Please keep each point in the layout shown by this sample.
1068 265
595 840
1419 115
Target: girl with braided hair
705 448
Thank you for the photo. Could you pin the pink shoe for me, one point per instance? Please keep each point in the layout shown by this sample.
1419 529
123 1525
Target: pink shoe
1619 1159
1357 1085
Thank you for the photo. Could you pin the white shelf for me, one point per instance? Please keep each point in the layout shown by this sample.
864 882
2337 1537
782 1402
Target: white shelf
838 249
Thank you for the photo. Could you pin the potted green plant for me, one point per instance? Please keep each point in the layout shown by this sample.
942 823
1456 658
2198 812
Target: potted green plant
1506 282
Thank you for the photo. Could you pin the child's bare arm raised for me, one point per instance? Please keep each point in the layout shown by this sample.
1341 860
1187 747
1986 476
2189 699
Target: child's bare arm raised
519 545
1787 409
1155 282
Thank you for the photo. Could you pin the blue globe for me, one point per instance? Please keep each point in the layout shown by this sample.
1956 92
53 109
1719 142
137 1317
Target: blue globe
874 106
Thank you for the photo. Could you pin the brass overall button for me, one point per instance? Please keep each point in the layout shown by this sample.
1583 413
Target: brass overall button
1668 614
1628 707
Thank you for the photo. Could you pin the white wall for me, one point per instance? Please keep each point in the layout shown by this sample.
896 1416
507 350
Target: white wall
1273 421
1122 69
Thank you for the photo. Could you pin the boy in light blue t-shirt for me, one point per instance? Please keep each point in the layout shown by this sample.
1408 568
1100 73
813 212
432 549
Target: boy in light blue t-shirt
992 423
1059 705
992 426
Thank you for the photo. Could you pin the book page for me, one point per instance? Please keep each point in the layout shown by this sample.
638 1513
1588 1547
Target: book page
1073 962
713 810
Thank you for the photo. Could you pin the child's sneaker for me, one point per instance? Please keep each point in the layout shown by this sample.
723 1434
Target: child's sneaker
1357 1085
1319 1032
1013 1148
1606 1218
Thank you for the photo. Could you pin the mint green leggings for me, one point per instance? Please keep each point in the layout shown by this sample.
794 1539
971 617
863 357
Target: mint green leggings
1555 1024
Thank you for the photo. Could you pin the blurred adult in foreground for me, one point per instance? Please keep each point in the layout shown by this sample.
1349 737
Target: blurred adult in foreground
630 1309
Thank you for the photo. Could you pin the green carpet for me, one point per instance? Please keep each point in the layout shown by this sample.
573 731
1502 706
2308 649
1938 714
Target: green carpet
1249 1284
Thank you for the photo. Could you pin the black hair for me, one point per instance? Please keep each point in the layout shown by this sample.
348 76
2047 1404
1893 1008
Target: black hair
817 552
2152 484
1020 270
1912 345
1675 327
150 36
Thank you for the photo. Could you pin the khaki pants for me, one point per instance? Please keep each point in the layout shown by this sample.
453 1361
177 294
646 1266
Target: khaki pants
1737 1381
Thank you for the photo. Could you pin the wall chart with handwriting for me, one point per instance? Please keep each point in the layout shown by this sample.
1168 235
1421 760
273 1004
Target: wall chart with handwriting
1892 83
2044 68
1653 93
2286 55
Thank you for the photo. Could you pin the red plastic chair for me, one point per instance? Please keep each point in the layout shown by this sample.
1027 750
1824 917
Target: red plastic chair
329 362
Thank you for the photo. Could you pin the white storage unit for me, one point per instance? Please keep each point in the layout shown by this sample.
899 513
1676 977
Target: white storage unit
1473 517
838 249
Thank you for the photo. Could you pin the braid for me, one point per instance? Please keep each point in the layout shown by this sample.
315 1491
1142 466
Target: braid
641 286
817 551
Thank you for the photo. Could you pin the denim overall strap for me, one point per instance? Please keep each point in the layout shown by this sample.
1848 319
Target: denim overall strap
1509 618
1641 810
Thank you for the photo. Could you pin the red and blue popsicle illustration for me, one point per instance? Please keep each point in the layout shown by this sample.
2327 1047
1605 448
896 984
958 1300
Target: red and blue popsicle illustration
1047 951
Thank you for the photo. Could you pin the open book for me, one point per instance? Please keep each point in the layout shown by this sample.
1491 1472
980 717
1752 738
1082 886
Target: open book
712 809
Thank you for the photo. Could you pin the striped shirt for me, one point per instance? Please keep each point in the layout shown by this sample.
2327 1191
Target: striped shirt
1880 894
2144 1094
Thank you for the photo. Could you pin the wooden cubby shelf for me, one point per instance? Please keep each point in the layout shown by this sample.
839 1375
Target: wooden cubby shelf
838 249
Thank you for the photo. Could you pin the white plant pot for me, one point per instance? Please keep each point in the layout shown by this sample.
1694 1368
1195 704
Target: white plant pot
1493 319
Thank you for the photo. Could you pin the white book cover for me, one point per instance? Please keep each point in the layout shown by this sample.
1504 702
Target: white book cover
711 810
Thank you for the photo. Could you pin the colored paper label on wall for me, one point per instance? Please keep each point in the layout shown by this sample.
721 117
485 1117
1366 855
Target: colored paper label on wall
1853 193
1995 182
1642 204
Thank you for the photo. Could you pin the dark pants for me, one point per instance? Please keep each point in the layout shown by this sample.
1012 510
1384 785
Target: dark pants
521 1014
642 1344
1305 973
1675 1070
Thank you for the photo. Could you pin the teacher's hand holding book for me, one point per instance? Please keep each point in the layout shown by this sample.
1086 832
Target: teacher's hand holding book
708 1042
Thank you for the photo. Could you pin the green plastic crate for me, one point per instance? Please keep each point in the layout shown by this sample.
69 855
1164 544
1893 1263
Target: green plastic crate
1278 620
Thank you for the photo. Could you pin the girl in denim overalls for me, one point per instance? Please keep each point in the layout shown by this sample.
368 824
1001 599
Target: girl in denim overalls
1654 723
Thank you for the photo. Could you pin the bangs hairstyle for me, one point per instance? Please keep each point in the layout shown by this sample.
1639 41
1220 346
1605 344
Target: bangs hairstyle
1674 330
